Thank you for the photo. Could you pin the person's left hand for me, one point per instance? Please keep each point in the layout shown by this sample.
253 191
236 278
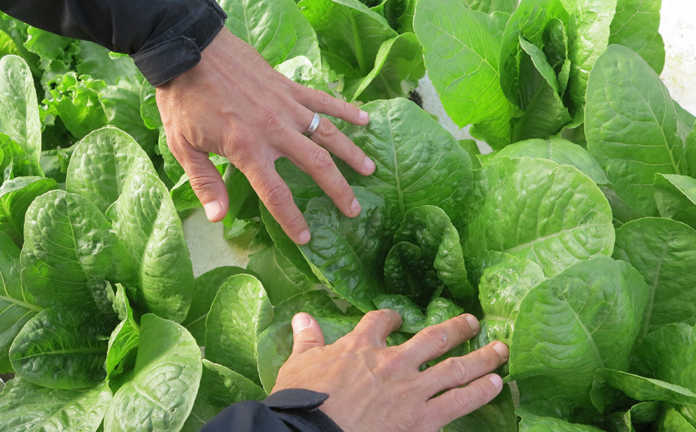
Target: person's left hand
373 387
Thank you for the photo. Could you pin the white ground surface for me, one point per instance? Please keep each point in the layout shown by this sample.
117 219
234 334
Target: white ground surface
678 28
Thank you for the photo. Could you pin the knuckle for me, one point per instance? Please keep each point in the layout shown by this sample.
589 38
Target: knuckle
437 337
327 130
277 195
270 120
321 159
323 99
458 370
202 182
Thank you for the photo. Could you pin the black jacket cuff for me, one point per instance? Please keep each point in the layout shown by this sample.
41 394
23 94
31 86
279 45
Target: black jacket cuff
179 48
300 409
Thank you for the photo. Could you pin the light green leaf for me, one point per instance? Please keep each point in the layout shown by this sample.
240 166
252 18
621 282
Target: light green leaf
635 26
61 349
121 104
28 407
490 6
673 421
76 101
664 251
534 423
220 387
667 354
240 311
631 127
588 37
15 197
163 386
675 196
536 209
398 67
462 54
558 150
280 278
146 222
205 289
68 251
648 389
102 163
19 113
276 28
496 416
570 326
124 339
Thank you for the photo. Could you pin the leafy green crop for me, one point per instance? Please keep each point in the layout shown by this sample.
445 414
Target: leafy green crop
574 242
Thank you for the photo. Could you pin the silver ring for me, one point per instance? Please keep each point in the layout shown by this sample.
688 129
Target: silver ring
314 125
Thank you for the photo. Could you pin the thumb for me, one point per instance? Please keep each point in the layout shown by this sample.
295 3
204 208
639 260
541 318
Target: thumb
205 181
306 333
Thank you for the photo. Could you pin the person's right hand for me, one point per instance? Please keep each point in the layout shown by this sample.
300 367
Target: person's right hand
373 387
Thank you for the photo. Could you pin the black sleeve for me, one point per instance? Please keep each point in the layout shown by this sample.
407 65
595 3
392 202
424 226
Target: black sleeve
292 410
164 37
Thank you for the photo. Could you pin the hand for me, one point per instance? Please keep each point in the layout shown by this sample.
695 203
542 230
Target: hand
234 104
373 387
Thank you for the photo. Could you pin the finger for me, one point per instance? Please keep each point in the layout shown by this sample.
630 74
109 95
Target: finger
306 333
375 326
434 341
332 139
319 101
276 195
204 178
316 161
458 371
461 401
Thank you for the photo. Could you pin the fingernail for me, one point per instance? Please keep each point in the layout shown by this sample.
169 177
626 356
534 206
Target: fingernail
369 166
355 207
363 117
300 322
496 381
213 210
473 322
304 237
501 349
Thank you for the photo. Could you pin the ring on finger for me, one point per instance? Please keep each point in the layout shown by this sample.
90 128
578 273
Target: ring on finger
313 126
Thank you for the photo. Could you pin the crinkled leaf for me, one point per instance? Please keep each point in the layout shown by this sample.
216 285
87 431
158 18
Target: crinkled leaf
164 383
102 163
28 407
61 349
146 222
15 197
664 251
76 101
240 311
536 209
631 127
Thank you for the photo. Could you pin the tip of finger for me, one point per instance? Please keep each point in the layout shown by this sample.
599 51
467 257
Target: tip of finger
363 117
303 238
473 323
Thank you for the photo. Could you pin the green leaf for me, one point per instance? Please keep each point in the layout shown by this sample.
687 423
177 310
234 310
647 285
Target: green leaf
280 278
631 127
146 222
413 319
412 153
673 421
15 197
76 101
171 166
205 289
350 34
276 28
558 150
163 386
648 389
398 67
675 196
534 423
667 354
490 6
427 257
124 339
102 163
121 104
220 387
68 251
462 54
399 13
636 26
19 113
240 311
28 407
664 252
61 349
15 308
536 209
98 62
570 326
588 37
345 253
149 111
